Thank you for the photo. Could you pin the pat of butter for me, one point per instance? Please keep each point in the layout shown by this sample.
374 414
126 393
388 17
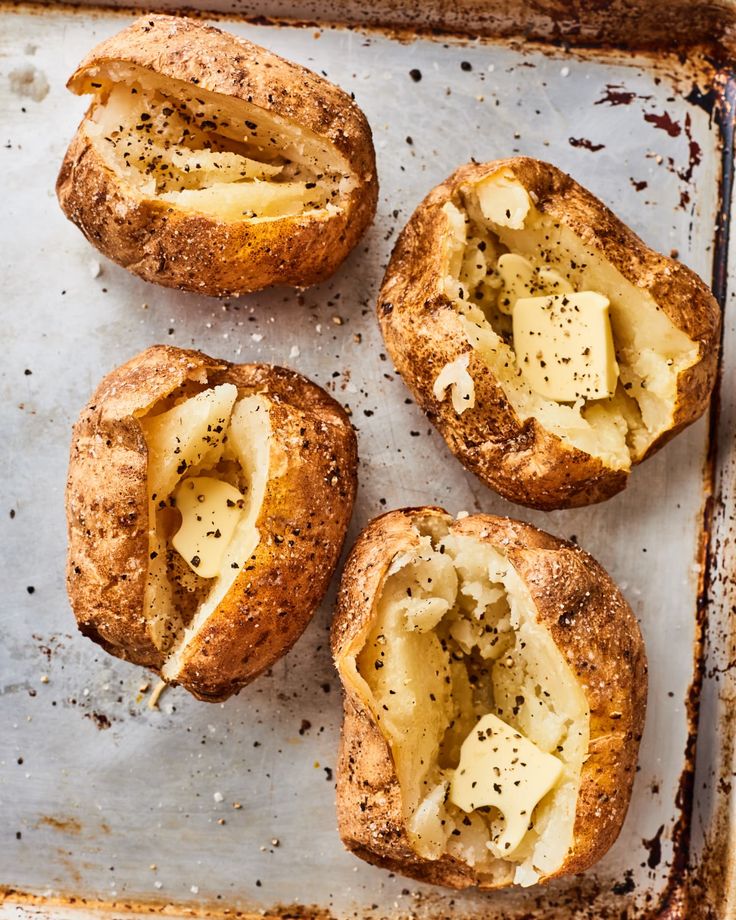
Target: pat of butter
500 767
503 200
210 511
519 278
564 346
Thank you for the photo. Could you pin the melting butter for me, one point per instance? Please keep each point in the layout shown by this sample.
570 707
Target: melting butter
210 511
501 768
564 345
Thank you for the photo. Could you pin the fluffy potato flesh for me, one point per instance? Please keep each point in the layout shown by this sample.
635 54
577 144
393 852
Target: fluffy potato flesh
616 374
208 462
487 726
206 153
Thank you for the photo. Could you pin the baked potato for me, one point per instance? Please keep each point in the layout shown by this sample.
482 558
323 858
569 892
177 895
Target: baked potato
495 687
207 504
549 345
207 163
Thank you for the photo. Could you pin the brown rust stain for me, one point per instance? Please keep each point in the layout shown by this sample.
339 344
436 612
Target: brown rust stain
65 825
617 94
159 907
678 901
665 122
666 38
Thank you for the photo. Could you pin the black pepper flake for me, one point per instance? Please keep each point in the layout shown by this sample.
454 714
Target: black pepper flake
195 560
415 74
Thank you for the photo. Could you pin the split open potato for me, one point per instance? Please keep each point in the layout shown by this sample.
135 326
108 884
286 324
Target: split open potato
207 504
495 687
208 163
550 346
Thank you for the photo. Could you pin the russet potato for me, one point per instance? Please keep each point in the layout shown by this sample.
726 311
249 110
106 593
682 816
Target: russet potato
208 163
550 346
495 687
207 504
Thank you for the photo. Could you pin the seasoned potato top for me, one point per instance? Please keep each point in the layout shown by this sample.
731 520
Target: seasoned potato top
575 344
495 685
487 725
218 129
549 344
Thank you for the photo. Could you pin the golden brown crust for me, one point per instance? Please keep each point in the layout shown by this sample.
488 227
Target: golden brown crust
107 501
182 249
594 629
520 459
302 521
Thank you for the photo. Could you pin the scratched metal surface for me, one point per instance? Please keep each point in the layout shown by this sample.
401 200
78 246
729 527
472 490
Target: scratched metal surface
104 798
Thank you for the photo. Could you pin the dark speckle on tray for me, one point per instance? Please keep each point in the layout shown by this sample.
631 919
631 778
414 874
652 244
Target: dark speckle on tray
585 143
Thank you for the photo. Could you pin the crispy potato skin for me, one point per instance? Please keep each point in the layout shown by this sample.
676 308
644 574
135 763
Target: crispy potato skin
594 629
520 459
182 249
302 521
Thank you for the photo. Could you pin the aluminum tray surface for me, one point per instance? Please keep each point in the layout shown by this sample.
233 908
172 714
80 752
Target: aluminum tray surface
233 804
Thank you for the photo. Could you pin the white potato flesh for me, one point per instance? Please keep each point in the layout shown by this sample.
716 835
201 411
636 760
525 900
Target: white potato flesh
212 437
481 652
186 436
210 154
249 444
455 377
254 200
544 256
409 674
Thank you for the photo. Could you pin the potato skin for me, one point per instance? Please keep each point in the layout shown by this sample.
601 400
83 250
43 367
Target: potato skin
594 629
181 249
302 521
520 459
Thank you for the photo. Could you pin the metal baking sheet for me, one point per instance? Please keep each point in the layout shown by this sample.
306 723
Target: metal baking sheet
108 805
